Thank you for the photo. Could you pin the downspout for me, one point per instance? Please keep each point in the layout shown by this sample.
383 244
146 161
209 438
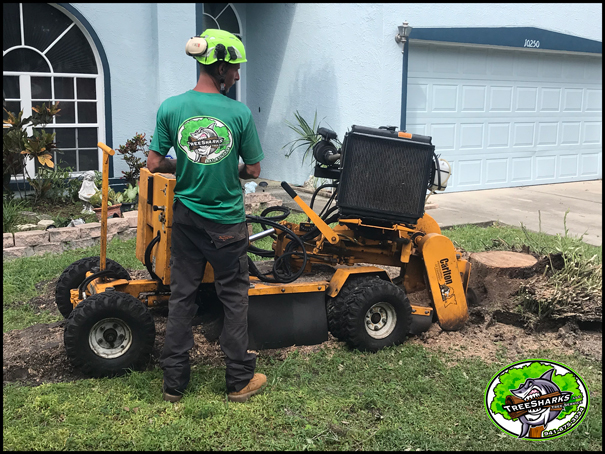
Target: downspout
404 86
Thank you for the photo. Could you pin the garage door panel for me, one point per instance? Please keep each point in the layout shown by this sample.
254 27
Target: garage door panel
445 98
445 135
418 97
589 164
548 134
496 171
523 134
568 167
594 100
521 169
525 65
550 99
570 133
507 118
498 135
473 98
572 99
526 99
471 136
573 68
474 61
546 168
593 131
469 173
550 67
501 99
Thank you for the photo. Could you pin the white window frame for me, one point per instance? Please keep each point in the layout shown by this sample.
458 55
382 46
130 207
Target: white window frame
25 88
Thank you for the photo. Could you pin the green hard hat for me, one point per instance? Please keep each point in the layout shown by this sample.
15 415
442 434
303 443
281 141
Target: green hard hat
221 45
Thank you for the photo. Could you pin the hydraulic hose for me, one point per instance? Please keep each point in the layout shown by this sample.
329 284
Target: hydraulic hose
281 271
152 243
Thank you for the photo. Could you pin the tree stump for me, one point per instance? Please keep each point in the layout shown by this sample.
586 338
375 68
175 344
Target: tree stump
496 275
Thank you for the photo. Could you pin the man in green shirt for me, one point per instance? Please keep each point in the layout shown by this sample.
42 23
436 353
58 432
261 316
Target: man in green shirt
209 133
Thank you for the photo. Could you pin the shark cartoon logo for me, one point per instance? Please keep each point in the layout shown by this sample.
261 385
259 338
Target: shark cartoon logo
536 399
533 389
205 140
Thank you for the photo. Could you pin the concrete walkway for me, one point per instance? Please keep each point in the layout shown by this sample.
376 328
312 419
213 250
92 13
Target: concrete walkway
540 207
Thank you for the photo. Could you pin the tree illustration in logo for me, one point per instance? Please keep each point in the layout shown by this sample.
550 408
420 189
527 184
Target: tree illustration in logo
205 140
535 395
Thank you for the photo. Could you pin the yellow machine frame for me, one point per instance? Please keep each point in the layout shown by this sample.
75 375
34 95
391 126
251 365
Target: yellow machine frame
427 258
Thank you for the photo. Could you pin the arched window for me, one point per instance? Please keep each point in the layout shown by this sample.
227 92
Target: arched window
223 17
47 57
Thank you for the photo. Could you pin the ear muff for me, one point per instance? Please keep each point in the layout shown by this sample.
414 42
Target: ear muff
196 46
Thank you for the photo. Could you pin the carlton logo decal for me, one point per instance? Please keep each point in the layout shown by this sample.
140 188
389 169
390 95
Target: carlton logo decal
536 399
205 140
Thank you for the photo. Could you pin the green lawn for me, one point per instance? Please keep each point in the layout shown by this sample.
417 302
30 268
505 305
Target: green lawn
401 398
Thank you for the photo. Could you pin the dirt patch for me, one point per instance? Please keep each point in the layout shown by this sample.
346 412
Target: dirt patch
495 329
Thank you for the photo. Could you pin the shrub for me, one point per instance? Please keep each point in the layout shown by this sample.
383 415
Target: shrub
129 151
10 213
18 145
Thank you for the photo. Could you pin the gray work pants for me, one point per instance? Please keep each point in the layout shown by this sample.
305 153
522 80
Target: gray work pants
196 241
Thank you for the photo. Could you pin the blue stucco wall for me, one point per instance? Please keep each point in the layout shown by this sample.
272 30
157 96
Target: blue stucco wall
342 60
144 44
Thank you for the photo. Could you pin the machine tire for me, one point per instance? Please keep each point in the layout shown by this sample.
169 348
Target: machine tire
92 334
391 315
336 308
73 276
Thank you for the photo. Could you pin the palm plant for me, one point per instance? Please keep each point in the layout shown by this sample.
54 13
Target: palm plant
308 136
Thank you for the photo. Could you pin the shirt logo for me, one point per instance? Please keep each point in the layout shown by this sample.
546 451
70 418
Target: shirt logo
205 140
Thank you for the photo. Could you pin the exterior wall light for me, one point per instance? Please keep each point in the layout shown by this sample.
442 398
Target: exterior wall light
402 36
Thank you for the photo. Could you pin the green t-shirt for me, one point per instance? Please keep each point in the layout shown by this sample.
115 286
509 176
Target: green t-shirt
208 132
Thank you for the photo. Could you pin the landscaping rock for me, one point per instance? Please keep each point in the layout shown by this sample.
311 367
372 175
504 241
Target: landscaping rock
8 240
26 227
128 234
260 197
44 217
16 252
92 230
131 217
34 238
54 248
63 234
45 223
116 225
80 243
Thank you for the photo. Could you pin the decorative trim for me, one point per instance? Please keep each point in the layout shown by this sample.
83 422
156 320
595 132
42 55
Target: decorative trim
106 76
516 37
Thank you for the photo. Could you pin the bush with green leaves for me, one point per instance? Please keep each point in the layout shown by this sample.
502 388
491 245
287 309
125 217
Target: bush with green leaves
138 144
11 207
18 145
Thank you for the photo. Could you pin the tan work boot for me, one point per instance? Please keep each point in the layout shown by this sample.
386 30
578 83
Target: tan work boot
254 386
170 396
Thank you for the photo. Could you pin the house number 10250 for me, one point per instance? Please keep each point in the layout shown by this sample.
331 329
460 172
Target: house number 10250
531 43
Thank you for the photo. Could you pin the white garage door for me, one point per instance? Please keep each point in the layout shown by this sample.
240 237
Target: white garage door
506 118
